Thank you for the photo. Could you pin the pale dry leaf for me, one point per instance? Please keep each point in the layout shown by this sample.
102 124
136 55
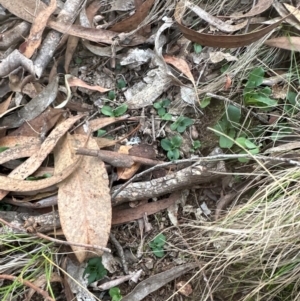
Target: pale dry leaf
127 173
181 65
35 38
287 12
84 198
288 43
219 56
11 141
25 186
32 164
18 152
293 10
5 105
76 82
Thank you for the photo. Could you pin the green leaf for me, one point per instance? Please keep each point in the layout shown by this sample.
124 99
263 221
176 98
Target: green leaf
257 76
176 141
291 97
160 240
258 99
233 113
107 111
196 144
166 144
95 269
254 151
222 126
205 102
173 154
159 253
241 142
225 142
3 148
100 133
187 121
266 91
249 144
161 112
157 105
174 126
167 117
121 84
197 48
115 294
224 68
165 103
111 95
181 128
231 133
119 111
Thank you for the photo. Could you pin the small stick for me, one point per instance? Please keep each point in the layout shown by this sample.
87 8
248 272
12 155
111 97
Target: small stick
63 242
120 252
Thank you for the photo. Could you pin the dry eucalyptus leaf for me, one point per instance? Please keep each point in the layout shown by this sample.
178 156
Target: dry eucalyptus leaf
26 186
224 41
83 198
288 43
35 38
33 163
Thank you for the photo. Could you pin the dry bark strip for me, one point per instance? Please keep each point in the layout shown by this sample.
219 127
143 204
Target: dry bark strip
185 178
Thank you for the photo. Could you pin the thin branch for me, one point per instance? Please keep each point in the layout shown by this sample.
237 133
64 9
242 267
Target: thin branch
63 242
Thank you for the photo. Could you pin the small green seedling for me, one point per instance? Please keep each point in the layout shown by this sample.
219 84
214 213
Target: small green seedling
172 147
291 106
95 270
196 144
161 107
157 245
78 60
121 83
205 102
248 146
181 124
197 48
118 111
111 95
115 294
255 95
226 127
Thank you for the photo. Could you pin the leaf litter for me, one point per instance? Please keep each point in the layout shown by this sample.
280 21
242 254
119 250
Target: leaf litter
127 54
